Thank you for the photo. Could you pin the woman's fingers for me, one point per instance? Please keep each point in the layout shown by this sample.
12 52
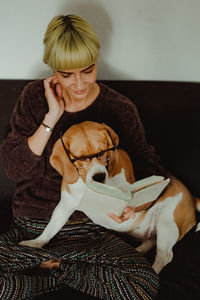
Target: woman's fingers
59 90
127 214
114 217
50 87
53 94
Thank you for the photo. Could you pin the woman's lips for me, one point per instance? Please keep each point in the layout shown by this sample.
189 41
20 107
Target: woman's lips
81 92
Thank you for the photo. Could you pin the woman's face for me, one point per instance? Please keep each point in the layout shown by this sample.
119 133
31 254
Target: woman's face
77 83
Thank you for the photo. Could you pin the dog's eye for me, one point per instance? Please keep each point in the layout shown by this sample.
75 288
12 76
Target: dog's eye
82 162
83 158
100 155
104 155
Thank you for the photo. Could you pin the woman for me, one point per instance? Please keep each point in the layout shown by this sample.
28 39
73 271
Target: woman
83 256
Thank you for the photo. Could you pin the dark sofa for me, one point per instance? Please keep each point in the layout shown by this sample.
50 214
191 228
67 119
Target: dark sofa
170 113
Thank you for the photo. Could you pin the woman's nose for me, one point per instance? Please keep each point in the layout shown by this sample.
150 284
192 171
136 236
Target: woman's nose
78 82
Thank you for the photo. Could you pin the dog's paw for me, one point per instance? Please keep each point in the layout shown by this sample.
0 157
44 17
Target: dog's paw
197 227
157 268
32 243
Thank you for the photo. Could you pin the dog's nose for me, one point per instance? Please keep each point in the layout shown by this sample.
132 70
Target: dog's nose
99 177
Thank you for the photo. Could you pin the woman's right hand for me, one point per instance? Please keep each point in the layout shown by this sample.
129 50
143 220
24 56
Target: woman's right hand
53 94
128 213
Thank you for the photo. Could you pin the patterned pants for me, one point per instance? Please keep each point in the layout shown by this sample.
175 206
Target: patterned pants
93 260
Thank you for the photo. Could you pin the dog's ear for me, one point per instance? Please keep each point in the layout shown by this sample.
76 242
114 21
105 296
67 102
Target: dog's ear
60 161
113 135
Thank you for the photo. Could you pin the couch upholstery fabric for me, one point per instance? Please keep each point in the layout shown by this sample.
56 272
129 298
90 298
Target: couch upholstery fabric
170 114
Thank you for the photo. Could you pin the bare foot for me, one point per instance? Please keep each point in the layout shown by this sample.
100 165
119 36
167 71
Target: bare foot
52 263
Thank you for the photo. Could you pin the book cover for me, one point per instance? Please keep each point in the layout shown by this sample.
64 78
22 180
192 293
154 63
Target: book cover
99 198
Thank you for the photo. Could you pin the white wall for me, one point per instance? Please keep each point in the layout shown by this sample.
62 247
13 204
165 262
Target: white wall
141 39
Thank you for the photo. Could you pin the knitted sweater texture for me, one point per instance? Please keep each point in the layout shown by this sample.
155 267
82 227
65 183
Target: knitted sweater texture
37 182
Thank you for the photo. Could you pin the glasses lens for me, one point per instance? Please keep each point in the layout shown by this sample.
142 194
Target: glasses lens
82 162
104 156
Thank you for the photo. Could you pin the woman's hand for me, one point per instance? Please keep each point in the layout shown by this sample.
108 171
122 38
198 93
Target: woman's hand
53 94
128 213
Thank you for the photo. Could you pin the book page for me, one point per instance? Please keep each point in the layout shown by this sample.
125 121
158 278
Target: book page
143 183
148 194
96 204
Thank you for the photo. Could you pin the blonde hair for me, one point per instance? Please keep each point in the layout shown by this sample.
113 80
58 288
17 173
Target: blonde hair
70 43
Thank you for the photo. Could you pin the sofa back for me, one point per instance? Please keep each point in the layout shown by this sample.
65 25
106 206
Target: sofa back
170 114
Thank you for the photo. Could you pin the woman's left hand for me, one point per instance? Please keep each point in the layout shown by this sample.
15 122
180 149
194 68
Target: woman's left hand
128 213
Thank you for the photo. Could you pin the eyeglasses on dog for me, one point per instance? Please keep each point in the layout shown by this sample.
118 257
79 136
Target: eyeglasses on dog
83 161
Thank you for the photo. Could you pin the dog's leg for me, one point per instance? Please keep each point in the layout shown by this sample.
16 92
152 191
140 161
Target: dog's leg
167 236
146 246
58 219
66 206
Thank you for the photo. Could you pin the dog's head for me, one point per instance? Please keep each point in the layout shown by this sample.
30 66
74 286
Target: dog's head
85 150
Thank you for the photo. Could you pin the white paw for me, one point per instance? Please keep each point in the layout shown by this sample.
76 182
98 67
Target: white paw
32 243
198 227
157 268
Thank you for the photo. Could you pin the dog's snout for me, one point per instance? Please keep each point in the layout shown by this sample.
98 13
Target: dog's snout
99 177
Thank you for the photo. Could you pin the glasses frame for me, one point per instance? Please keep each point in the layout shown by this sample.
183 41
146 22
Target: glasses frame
73 160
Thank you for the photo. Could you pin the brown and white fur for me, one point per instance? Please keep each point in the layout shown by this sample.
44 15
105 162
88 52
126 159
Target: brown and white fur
162 224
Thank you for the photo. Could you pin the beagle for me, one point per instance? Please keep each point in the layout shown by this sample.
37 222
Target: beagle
88 151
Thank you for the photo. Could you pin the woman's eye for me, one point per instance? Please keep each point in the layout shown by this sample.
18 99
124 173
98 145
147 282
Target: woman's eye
66 76
89 71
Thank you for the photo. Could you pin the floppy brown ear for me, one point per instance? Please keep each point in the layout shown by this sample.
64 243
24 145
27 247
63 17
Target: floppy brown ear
60 161
113 135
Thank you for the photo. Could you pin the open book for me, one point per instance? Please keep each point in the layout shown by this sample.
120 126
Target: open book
100 198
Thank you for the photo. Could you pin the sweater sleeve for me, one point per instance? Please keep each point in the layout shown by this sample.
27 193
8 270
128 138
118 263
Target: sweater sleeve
146 162
19 161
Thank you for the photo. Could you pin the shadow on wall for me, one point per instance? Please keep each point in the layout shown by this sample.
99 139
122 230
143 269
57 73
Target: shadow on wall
96 15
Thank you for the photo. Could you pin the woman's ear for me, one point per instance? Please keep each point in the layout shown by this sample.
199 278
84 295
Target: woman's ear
60 161
114 137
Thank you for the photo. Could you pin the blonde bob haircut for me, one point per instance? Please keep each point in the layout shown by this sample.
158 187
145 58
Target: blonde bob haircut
70 43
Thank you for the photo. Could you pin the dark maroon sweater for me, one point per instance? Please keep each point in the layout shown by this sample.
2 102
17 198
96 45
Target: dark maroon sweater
37 182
